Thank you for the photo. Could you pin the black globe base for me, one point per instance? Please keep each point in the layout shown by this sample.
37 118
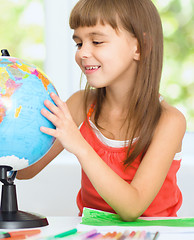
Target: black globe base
21 219
10 216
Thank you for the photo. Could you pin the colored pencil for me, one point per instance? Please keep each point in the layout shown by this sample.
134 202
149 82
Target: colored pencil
124 235
156 235
18 237
132 234
142 235
94 236
113 235
137 235
118 235
64 234
88 234
27 233
148 236
107 235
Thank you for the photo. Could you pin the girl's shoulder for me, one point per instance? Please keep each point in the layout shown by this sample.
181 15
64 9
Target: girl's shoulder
172 114
76 105
172 120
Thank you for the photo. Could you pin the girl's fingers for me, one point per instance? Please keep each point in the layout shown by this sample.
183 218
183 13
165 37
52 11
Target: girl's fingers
49 131
58 115
51 117
56 99
59 108
52 107
60 104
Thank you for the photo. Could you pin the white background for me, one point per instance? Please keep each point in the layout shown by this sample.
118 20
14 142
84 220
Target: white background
60 65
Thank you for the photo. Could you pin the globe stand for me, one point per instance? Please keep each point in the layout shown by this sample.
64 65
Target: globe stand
10 216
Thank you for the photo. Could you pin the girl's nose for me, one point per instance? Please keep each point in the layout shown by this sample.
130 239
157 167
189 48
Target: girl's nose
84 52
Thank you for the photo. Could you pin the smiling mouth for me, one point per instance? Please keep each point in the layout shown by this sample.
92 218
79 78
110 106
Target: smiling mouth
92 68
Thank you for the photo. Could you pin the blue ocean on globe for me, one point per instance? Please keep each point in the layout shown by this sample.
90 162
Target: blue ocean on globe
23 89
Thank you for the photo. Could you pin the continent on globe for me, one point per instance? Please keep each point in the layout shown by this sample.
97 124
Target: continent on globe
23 90
7 88
17 112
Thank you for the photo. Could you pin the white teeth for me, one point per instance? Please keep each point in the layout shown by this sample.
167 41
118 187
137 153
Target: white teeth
90 68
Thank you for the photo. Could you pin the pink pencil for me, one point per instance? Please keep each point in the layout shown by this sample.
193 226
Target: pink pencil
124 235
142 235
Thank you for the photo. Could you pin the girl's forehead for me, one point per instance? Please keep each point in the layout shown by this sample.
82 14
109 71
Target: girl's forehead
102 31
99 28
102 28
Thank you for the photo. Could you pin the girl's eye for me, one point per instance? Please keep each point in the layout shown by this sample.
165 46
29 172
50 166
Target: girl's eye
97 43
78 45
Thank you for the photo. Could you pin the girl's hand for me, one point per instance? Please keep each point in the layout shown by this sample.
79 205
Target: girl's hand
66 130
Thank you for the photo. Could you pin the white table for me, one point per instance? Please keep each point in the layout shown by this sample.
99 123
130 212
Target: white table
56 226
59 225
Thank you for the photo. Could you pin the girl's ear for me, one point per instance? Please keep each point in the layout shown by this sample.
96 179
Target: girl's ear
137 52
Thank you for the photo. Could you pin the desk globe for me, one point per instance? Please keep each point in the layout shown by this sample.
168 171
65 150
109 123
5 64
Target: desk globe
23 89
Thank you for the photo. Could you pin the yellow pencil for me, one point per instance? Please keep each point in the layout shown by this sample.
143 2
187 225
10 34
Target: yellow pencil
118 235
137 235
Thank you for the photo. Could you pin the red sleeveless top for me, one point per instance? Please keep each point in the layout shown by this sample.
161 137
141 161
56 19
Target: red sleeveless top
166 203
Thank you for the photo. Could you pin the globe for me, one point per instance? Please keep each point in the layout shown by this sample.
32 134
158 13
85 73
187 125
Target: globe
23 89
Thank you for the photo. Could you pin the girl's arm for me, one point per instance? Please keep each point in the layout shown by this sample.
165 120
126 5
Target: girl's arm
74 103
34 169
128 200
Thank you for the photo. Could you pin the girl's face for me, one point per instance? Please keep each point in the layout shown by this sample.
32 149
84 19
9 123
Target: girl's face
105 56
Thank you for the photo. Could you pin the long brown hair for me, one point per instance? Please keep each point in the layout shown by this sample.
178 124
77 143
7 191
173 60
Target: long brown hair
141 18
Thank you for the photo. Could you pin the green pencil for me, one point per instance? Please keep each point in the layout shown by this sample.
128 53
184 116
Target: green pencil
64 234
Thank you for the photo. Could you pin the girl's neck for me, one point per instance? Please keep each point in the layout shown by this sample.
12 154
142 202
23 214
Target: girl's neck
116 100
119 92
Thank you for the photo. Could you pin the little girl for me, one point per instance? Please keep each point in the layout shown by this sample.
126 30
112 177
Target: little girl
126 138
